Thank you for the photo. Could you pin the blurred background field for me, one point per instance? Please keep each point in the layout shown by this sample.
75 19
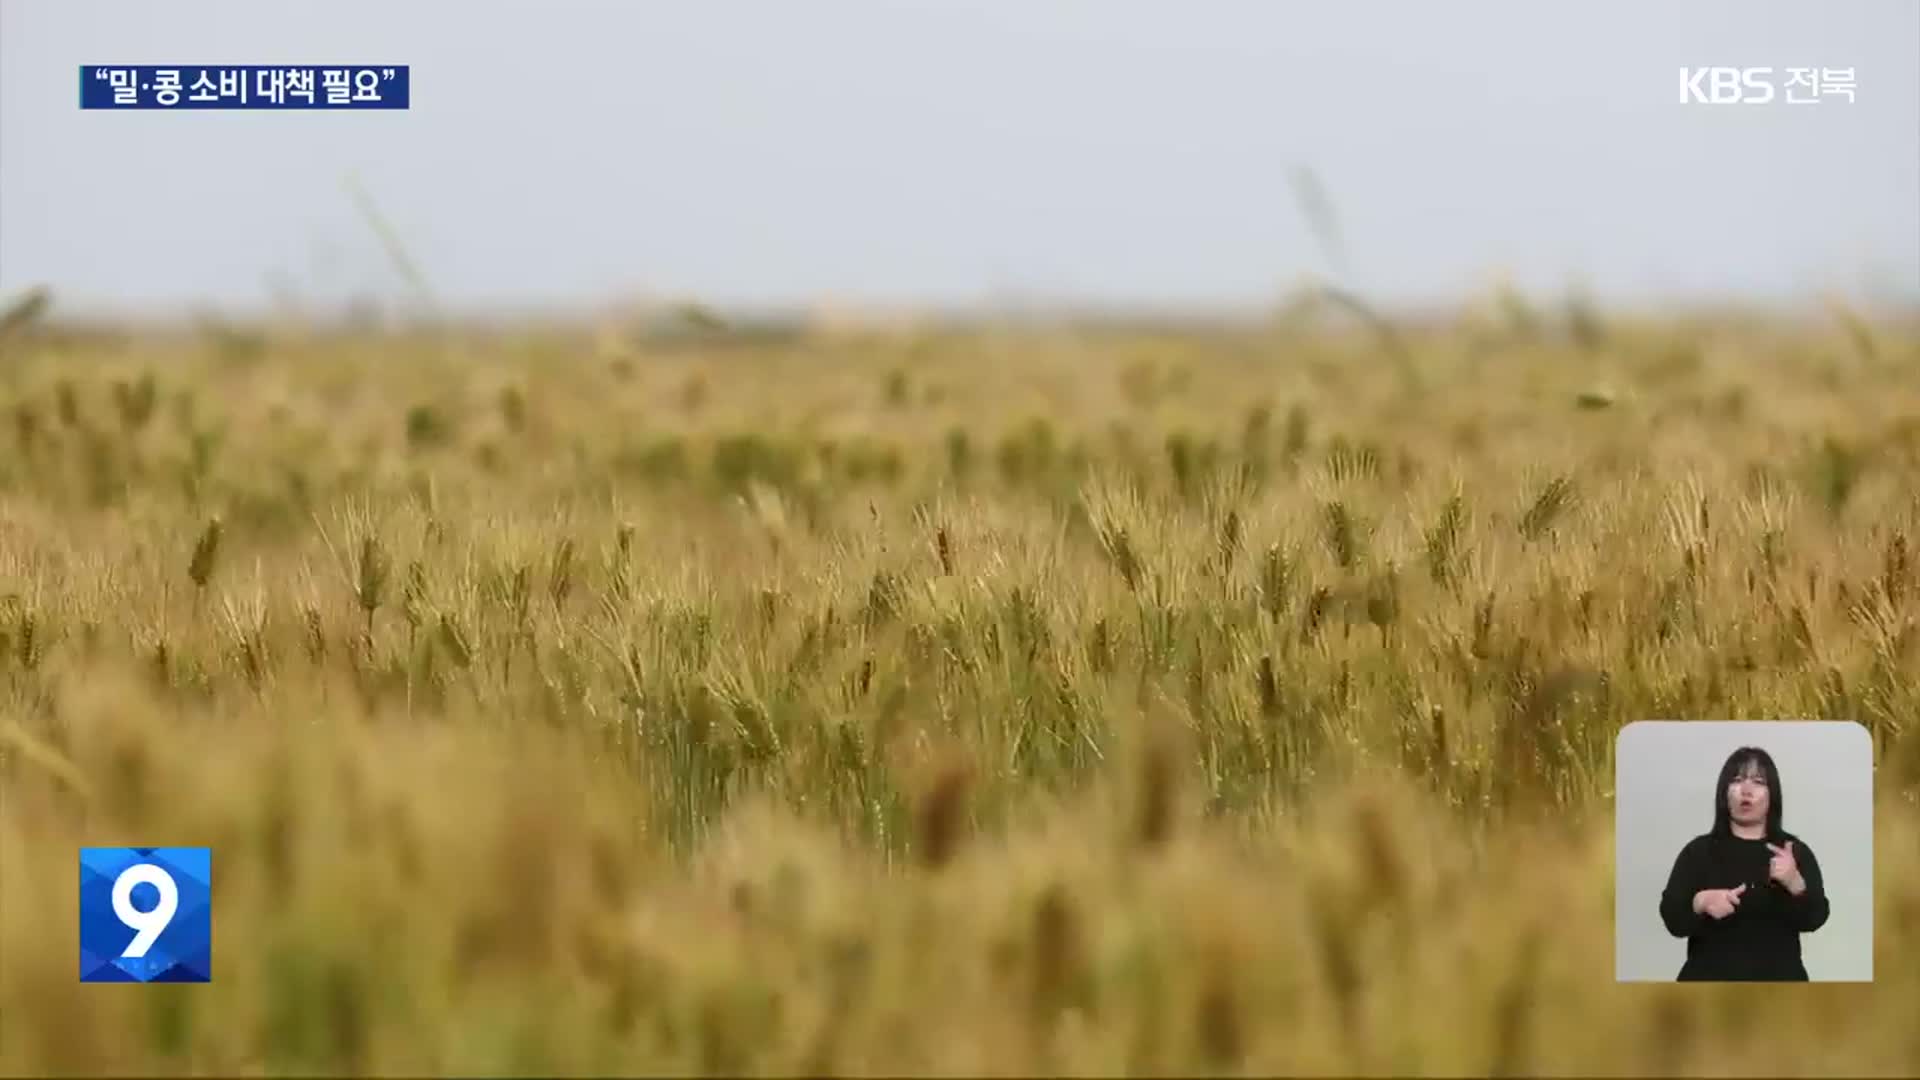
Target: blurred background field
935 698
573 681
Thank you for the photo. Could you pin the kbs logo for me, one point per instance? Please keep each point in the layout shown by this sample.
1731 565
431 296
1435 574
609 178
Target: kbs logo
1726 86
1756 85
146 914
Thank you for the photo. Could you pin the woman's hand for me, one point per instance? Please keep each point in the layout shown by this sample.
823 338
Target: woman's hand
1718 903
1784 870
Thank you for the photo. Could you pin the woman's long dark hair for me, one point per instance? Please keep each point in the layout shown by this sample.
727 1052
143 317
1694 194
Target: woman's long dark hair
1776 800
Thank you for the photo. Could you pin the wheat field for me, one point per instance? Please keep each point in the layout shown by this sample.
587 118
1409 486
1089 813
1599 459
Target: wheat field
934 700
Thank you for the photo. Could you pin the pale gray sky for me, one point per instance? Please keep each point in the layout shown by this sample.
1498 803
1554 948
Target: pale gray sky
960 150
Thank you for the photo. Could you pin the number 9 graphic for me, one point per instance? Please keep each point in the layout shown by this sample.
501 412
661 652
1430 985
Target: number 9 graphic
150 924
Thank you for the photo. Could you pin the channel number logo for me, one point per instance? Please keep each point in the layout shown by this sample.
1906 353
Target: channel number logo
146 914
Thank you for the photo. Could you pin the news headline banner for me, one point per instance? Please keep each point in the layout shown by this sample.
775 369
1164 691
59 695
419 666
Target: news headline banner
246 86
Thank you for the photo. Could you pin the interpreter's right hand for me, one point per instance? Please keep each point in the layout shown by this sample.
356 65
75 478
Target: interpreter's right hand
1718 903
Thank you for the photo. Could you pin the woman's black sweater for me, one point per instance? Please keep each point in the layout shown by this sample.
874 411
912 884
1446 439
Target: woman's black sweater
1760 941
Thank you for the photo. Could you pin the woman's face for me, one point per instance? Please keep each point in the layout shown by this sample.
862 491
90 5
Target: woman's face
1747 796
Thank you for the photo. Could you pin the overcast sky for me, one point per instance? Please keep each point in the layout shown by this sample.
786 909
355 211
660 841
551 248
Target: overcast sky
968 150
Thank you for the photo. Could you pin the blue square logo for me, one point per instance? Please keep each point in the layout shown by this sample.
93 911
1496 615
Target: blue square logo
146 914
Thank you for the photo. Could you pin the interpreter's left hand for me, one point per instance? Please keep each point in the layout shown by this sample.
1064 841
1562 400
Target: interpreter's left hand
1782 867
